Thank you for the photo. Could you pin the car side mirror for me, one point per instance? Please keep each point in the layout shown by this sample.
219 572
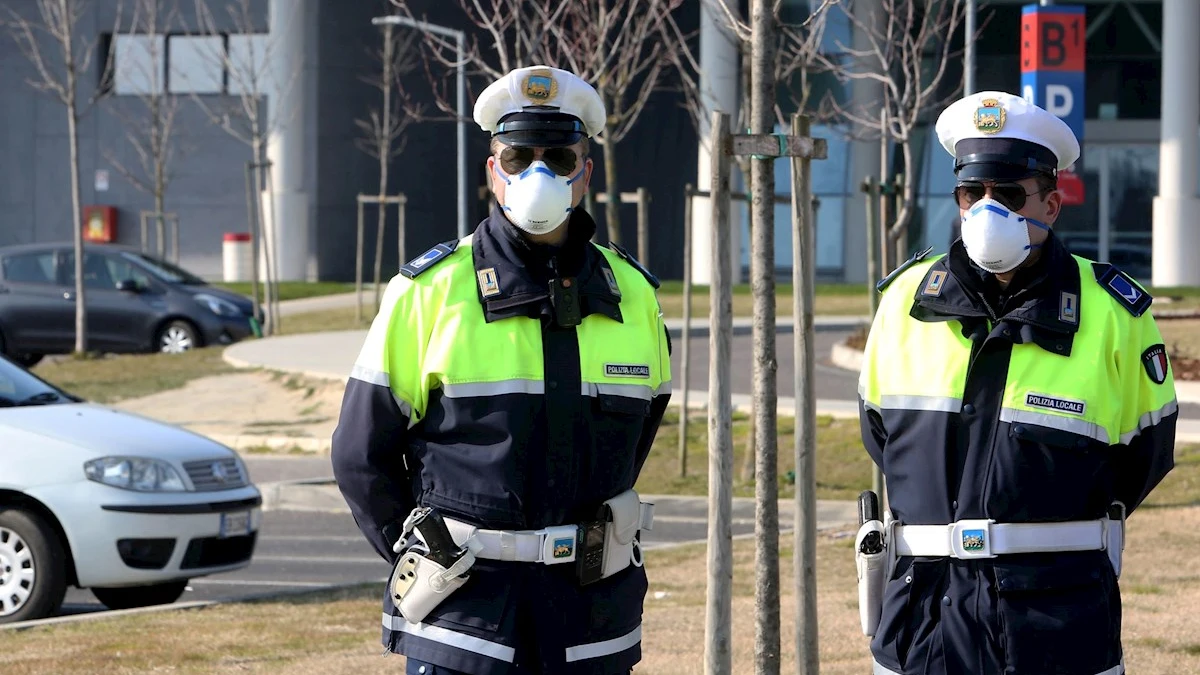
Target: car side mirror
128 286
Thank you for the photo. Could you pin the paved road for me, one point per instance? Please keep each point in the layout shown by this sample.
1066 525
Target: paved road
306 550
832 383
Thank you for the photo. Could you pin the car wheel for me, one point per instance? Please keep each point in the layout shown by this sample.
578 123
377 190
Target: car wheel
177 337
33 579
140 596
28 360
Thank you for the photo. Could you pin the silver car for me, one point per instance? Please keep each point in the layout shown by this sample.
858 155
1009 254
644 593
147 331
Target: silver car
97 498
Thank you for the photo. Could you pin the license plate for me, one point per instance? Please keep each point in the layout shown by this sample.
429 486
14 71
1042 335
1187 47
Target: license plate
235 524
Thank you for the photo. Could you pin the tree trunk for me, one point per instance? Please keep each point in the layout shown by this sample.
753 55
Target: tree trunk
762 265
612 210
385 148
77 221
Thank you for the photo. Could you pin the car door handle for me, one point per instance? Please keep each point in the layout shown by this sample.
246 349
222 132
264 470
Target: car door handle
68 295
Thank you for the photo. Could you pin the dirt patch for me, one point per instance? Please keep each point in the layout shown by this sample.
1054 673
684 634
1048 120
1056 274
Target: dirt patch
248 404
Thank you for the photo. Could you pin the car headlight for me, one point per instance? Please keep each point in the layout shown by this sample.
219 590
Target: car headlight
135 473
218 306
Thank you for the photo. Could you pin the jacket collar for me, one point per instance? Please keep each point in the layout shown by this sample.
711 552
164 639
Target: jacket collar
514 274
1042 301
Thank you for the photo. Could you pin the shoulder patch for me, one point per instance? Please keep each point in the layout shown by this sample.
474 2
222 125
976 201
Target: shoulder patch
1121 286
636 265
428 259
1155 361
917 257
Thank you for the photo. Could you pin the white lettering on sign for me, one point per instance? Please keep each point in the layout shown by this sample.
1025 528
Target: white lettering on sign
1059 100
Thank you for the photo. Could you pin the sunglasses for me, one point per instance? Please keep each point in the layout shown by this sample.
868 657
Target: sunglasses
561 161
1012 195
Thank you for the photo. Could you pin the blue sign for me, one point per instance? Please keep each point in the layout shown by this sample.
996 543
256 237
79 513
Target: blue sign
1059 92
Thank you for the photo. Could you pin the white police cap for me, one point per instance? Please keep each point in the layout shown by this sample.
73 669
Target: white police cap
540 106
993 135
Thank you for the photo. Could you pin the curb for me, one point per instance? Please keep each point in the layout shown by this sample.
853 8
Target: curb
245 442
176 607
309 494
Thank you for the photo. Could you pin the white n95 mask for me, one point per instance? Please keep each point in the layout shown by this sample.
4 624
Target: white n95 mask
537 200
996 238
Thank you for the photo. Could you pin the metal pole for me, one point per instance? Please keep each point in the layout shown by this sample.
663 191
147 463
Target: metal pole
175 238
1105 231
685 335
402 225
461 85
718 618
884 266
804 557
461 105
254 234
871 188
969 51
358 264
643 225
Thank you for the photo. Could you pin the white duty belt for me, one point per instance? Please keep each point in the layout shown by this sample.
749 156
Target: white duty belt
545 546
969 539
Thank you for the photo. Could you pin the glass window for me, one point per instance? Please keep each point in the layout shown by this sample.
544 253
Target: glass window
29 268
248 64
96 272
197 64
18 387
138 64
120 269
165 270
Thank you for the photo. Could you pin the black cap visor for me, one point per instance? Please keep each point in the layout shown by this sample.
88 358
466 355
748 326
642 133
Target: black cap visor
540 130
1002 159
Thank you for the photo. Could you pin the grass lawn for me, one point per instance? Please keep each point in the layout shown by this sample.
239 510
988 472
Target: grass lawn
843 467
291 290
116 377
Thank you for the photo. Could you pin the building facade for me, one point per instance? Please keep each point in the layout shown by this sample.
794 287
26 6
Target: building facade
314 53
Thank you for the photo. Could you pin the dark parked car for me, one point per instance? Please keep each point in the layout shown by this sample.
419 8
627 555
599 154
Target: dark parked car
135 303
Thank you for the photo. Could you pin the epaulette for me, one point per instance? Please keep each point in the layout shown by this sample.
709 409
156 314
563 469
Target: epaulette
1121 286
917 257
636 265
428 259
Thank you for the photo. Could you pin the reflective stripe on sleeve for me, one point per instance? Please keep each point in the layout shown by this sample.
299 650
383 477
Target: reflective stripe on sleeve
380 379
451 638
594 650
1150 419
927 403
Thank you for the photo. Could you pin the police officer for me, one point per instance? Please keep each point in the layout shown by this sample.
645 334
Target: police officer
1020 402
507 395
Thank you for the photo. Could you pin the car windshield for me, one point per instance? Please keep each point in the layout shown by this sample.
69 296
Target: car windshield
19 388
165 271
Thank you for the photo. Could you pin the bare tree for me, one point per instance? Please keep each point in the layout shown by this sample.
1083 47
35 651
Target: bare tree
150 130
621 47
243 114
60 56
908 53
794 61
383 128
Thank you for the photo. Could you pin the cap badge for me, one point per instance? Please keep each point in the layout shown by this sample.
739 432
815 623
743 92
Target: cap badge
989 117
539 87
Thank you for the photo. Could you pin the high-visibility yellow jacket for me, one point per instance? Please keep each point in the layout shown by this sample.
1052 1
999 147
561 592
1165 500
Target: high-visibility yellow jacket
1048 408
471 397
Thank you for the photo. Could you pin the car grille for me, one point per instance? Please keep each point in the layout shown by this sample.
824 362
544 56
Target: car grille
215 474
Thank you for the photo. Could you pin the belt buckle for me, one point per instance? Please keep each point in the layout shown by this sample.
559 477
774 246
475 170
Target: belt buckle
559 544
971 539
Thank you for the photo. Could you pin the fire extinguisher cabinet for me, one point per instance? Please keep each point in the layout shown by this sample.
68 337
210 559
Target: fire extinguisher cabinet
100 223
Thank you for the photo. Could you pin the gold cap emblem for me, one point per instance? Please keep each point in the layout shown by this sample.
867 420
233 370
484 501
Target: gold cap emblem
989 117
539 87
